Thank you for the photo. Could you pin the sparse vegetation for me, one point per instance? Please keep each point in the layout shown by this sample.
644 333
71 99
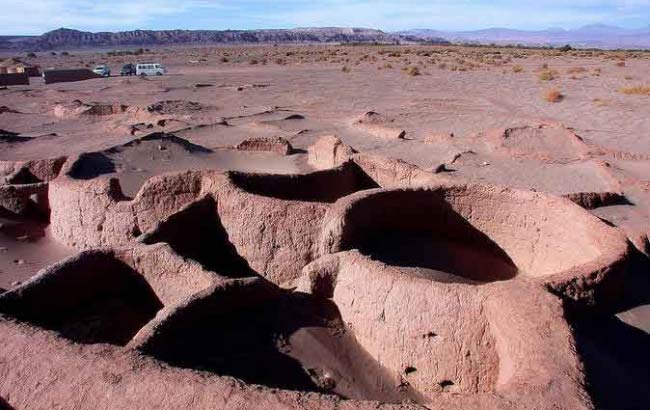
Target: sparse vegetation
553 95
345 69
576 70
636 90
115 53
547 75
517 69
412 71
31 54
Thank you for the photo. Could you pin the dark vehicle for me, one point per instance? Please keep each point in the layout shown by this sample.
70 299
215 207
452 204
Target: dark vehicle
128 69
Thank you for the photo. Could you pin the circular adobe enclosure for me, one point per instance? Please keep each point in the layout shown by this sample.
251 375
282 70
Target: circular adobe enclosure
481 234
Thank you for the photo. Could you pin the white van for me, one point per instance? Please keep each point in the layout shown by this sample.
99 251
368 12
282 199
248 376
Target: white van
150 69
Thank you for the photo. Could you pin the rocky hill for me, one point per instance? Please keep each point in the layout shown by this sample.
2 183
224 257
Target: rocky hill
68 38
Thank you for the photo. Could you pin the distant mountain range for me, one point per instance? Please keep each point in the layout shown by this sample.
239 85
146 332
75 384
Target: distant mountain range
596 36
66 38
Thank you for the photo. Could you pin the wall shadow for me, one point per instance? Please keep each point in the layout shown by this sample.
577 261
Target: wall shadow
196 232
278 339
320 186
98 299
420 229
617 362
90 165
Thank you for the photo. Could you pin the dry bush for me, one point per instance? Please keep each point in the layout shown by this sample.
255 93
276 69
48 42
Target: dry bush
388 65
412 71
224 59
620 64
517 69
345 69
279 61
553 95
548 75
628 77
253 61
636 90
576 70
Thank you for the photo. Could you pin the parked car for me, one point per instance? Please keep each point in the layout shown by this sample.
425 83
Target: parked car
150 69
102 70
128 69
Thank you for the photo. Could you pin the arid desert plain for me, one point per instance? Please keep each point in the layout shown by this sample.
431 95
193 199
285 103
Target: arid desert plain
328 227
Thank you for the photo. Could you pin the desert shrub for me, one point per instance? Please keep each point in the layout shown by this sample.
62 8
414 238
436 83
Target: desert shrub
553 95
620 64
224 59
52 53
31 54
279 61
345 69
547 75
388 65
65 53
412 71
636 90
517 69
576 70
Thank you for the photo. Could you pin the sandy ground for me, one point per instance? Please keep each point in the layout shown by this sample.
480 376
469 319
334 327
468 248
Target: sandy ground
216 97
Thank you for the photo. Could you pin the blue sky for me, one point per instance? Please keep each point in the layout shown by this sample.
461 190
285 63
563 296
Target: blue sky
38 16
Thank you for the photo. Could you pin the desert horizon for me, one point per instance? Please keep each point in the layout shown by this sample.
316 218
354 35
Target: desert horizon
591 36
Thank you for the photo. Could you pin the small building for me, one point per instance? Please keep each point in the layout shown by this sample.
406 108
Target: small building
16 66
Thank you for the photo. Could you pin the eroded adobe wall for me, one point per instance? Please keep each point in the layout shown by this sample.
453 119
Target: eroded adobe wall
101 373
433 336
89 213
456 341
545 237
